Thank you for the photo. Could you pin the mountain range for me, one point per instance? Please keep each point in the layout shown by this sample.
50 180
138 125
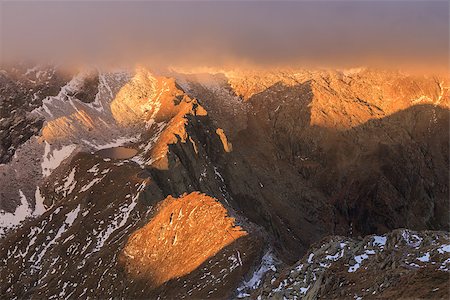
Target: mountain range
223 183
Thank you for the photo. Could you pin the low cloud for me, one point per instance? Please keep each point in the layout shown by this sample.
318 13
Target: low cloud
339 33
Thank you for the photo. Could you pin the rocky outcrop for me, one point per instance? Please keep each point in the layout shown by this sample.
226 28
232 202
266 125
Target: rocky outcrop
183 238
182 235
401 264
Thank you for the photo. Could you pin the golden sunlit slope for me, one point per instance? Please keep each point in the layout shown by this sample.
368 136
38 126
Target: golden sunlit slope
347 98
184 233
67 126
142 97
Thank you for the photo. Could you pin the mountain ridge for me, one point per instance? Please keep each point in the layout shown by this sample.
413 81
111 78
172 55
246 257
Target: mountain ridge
269 154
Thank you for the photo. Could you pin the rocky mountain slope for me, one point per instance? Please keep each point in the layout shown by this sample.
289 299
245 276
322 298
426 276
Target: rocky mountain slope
400 264
180 184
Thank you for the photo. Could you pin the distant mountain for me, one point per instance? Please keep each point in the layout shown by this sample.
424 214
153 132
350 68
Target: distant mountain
178 184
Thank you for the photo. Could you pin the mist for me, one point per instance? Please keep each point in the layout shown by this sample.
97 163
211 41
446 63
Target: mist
297 33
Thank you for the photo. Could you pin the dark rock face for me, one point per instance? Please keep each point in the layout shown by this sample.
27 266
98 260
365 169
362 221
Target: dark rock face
311 181
400 182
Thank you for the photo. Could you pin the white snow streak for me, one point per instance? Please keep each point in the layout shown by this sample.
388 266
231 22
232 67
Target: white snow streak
53 158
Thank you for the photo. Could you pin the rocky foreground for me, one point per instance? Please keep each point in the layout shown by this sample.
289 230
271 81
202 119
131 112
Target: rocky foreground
224 184
400 264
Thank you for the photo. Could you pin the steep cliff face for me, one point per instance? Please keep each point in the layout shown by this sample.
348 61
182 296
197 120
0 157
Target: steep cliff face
348 152
221 178
377 171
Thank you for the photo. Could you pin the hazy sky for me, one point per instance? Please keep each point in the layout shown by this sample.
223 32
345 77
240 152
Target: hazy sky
214 32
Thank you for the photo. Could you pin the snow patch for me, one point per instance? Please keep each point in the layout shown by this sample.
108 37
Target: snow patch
379 241
39 208
94 169
10 220
91 184
53 158
444 248
71 216
114 143
359 259
267 263
425 257
69 183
